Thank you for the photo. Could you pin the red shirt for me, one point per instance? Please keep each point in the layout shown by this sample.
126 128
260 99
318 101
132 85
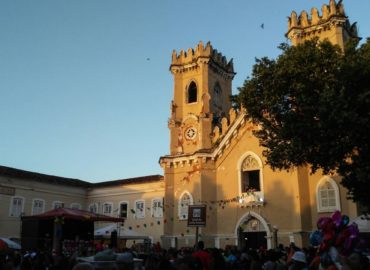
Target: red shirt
204 257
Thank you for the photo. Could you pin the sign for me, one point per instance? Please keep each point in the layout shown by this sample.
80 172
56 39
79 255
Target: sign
7 190
197 216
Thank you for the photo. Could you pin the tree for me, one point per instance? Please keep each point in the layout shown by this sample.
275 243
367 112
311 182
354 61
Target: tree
313 106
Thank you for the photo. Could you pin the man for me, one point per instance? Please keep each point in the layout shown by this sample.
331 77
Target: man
202 255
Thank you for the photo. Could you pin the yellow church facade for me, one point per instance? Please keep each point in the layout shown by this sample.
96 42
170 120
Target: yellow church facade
216 161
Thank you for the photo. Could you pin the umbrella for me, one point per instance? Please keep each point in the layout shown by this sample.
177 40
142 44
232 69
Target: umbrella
7 243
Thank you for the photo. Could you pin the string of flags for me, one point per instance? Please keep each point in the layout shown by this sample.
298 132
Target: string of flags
212 206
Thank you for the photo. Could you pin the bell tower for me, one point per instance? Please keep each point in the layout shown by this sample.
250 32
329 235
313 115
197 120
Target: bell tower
332 25
202 89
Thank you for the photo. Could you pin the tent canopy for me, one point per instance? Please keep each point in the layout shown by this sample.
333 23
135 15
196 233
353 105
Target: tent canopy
76 214
7 243
363 223
122 233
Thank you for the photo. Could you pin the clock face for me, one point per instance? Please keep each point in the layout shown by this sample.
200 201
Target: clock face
190 133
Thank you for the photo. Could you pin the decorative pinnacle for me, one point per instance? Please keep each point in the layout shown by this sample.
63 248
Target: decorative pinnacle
202 52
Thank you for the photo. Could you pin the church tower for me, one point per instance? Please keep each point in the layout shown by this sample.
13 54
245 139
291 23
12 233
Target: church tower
202 89
332 25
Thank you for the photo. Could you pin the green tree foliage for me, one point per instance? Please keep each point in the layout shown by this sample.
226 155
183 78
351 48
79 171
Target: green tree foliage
313 106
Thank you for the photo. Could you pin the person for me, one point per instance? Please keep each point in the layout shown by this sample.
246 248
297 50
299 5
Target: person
298 261
99 246
202 255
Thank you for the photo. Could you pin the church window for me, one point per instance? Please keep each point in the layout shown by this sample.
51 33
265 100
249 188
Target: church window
327 195
184 202
38 206
250 179
250 175
192 93
16 206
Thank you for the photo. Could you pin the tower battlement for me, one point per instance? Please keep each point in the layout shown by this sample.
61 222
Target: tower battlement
328 11
201 53
324 26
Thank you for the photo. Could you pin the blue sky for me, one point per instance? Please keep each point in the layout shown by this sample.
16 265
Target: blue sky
85 88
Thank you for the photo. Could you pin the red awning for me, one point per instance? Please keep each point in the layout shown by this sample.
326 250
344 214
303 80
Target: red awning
69 213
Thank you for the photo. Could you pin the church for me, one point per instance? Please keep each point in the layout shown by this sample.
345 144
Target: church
214 162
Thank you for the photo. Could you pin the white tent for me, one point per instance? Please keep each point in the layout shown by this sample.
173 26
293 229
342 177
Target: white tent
363 223
10 243
122 232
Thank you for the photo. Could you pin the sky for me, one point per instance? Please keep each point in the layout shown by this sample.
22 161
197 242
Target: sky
85 87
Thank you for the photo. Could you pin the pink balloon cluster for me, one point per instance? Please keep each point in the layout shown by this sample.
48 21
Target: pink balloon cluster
336 232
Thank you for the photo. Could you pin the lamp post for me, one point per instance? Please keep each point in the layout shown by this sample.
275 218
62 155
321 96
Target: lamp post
275 231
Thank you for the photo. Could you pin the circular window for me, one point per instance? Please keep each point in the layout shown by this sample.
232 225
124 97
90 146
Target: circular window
190 133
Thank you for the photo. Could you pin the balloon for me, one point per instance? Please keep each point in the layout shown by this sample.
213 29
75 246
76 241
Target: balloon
322 222
351 240
345 220
337 218
315 238
342 236
353 230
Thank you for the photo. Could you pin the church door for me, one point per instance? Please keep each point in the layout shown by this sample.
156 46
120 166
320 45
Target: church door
251 234
254 240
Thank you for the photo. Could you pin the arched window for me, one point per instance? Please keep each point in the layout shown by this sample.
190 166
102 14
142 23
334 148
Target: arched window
251 178
250 175
192 93
184 202
327 194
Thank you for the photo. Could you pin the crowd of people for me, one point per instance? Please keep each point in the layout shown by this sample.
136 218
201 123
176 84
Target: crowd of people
197 258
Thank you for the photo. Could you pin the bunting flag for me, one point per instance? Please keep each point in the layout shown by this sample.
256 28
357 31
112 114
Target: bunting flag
213 206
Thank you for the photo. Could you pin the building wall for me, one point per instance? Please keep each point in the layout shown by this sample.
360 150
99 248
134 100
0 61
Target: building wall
10 226
150 225
30 189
